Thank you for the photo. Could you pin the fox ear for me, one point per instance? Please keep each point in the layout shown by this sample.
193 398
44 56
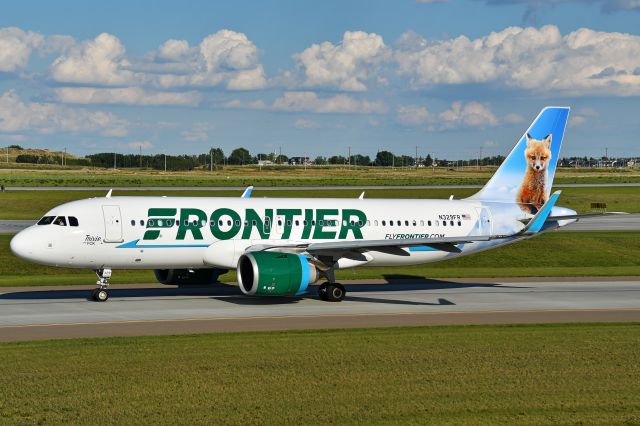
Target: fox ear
547 140
529 138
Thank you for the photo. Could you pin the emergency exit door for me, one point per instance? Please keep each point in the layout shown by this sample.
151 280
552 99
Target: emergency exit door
112 224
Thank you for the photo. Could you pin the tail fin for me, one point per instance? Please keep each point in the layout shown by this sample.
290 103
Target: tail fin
531 163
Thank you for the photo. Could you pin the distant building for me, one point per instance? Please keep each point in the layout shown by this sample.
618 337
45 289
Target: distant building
265 162
299 161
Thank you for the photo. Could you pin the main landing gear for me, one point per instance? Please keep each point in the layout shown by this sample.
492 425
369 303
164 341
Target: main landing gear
331 292
101 294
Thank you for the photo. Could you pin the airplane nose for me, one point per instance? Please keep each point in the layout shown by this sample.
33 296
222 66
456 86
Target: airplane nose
21 245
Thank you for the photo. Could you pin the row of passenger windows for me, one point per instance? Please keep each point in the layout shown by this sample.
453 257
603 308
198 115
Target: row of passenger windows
172 222
58 220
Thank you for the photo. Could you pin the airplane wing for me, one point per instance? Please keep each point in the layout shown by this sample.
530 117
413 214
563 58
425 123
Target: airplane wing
447 244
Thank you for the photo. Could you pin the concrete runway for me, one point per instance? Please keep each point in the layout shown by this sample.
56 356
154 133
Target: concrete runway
50 313
629 222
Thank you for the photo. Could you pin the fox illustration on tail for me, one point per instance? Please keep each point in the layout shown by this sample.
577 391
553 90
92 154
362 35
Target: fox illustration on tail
533 194
525 177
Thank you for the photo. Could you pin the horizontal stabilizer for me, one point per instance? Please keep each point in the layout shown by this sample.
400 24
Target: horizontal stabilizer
537 221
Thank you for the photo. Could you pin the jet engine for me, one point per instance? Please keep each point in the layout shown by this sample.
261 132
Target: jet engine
275 274
186 277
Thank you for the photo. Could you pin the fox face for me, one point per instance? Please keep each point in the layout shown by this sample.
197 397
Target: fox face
538 153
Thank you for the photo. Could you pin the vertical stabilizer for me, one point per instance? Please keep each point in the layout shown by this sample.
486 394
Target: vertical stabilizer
526 175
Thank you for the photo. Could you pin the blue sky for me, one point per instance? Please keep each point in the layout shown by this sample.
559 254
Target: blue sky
315 78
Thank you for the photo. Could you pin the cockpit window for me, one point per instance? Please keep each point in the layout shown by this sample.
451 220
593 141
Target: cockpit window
73 221
60 220
46 220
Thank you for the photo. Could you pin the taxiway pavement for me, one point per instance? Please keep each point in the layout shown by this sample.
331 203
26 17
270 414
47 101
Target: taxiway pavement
28 313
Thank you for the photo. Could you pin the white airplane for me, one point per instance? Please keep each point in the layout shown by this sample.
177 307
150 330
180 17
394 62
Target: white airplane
280 246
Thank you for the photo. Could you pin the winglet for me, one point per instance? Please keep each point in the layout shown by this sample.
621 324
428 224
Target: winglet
536 223
247 192
109 193
361 197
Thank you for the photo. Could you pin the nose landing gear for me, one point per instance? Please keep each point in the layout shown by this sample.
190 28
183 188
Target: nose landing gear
101 294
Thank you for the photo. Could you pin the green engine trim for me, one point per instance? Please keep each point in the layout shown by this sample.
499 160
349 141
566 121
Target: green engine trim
273 274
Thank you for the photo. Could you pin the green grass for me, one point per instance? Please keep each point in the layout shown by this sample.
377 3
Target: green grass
530 374
33 205
286 176
555 254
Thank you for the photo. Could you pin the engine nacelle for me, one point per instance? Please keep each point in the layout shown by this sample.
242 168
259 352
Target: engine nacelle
264 273
184 277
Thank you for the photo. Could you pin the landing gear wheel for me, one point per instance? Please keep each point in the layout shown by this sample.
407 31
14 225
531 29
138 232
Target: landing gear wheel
335 292
322 291
100 294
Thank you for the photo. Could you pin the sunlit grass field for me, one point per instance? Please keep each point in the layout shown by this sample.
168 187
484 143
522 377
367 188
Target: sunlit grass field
290 176
529 374
555 254
33 204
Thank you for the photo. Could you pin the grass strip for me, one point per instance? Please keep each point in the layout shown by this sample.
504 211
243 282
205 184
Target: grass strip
33 205
531 374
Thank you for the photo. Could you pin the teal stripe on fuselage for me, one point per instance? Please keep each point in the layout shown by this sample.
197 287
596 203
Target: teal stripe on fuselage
134 244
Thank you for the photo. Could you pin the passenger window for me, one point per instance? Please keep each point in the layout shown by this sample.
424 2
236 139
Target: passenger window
150 223
228 223
444 223
279 222
220 222
237 223
133 222
437 223
451 222
383 223
422 223
414 223
46 220
141 222
304 222
429 222
459 223
375 223
406 223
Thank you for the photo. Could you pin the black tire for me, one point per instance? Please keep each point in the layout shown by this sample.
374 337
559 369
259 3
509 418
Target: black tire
102 295
94 294
322 291
335 292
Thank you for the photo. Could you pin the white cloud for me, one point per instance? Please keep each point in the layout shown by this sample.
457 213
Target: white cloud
226 57
238 104
174 50
413 115
125 96
459 115
17 116
540 60
100 61
513 118
198 133
471 114
17 45
304 123
345 66
582 116
310 102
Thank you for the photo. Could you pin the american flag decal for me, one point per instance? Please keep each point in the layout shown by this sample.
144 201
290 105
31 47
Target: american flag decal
466 217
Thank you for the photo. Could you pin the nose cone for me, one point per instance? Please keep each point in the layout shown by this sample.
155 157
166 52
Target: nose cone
22 245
